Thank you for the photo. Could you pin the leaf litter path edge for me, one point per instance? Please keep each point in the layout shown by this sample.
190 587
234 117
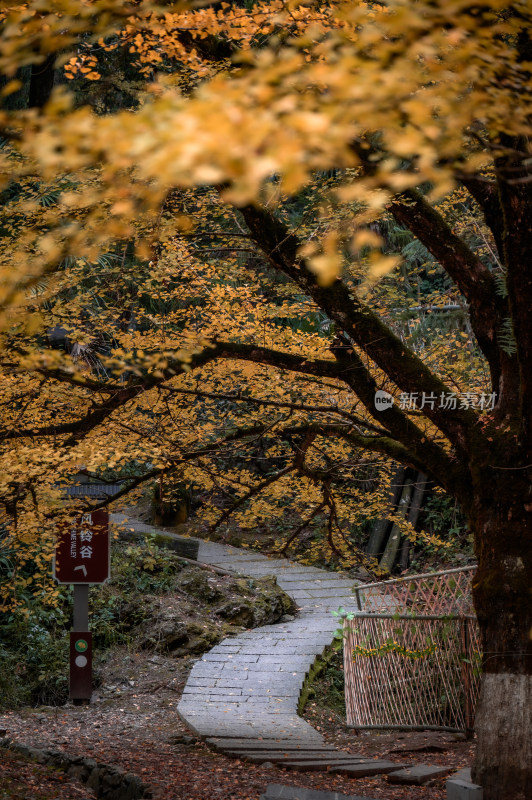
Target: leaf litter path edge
242 696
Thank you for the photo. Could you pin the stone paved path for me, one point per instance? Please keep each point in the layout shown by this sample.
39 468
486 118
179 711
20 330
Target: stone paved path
248 686
242 695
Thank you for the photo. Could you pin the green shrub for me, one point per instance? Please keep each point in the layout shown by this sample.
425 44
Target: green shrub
34 656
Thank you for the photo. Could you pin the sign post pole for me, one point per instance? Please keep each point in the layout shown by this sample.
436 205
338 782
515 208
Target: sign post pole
80 674
81 607
82 557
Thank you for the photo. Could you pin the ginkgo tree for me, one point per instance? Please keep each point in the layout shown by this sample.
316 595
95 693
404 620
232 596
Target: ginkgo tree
405 101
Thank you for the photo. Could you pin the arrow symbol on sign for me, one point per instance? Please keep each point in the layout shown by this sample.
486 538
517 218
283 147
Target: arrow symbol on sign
84 568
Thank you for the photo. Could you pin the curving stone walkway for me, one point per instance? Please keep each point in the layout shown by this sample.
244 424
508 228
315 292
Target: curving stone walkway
242 696
248 686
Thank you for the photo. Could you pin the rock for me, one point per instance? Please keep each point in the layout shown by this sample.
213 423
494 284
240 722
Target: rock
93 781
183 739
201 585
134 786
111 777
76 771
167 633
239 613
268 606
109 783
34 754
200 639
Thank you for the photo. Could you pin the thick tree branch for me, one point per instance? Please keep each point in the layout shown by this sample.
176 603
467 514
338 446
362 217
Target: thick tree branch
487 308
361 324
383 445
405 442
486 194
400 427
219 349
120 394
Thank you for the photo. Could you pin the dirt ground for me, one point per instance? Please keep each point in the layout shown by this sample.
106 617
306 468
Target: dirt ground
132 723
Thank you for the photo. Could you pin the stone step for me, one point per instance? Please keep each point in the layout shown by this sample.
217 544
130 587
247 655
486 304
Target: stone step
236 745
369 768
276 791
418 775
332 764
457 789
281 756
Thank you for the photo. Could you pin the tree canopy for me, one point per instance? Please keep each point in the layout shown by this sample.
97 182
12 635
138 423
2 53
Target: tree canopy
243 222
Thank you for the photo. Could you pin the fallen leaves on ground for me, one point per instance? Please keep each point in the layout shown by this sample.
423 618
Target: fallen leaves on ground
23 780
137 728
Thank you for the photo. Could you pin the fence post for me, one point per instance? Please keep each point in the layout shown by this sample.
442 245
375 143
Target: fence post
466 677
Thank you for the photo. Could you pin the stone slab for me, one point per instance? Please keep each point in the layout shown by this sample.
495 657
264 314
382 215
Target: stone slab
222 658
418 775
266 744
258 691
276 791
463 790
327 757
199 690
331 764
368 769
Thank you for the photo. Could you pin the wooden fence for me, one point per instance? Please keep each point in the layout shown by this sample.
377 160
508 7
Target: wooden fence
412 654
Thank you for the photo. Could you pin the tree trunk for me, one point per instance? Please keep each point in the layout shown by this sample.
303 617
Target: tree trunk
420 485
41 82
392 546
19 99
380 527
501 520
503 764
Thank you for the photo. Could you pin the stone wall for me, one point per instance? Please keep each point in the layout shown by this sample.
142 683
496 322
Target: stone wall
108 783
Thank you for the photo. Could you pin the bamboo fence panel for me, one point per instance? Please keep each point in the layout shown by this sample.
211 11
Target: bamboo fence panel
412 654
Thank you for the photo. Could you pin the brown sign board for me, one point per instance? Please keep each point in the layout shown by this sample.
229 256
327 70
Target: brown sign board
83 550
80 665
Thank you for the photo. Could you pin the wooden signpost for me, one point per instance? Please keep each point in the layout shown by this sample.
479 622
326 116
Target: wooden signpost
82 557
82 554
